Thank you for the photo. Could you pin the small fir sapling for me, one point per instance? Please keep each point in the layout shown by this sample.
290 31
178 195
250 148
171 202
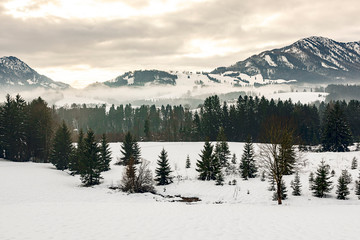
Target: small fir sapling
296 185
342 188
354 163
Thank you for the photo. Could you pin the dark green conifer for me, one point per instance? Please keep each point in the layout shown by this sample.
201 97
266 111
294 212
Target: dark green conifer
208 165
105 154
220 178
247 164
162 172
130 148
322 183
222 151
78 156
188 163
91 165
357 187
342 188
62 149
354 163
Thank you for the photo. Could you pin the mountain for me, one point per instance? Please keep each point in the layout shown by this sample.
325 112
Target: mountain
313 59
16 74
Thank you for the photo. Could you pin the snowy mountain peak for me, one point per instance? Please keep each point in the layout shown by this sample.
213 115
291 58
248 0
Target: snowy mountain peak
16 74
312 59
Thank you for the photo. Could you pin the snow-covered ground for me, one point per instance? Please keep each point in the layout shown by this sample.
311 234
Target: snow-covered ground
39 202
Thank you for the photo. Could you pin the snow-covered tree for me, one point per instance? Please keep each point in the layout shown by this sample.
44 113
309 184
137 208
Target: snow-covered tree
357 187
187 163
220 178
342 188
296 185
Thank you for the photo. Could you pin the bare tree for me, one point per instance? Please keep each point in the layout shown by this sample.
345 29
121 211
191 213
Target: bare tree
272 158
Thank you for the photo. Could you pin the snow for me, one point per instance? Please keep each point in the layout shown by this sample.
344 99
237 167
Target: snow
303 97
270 61
39 202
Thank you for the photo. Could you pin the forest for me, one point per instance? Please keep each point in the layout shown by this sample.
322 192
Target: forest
27 129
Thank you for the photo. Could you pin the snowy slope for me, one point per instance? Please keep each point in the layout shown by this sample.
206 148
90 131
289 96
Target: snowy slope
14 73
312 59
39 202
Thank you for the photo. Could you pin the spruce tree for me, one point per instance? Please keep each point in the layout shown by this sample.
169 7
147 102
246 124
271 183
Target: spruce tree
91 165
130 148
188 163
342 188
208 165
322 183
336 135
219 178
222 151
105 154
233 159
354 163
272 183
62 149
357 187
311 180
247 164
287 153
296 185
263 176
162 172
78 156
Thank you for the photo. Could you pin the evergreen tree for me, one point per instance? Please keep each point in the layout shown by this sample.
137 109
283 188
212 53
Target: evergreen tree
222 151
357 187
163 170
247 165
130 148
322 183
311 180
62 149
354 163
287 153
283 192
233 159
296 185
105 154
78 156
220 178
263 176
336 135
188 163
342 188
91 165
208 165
271 184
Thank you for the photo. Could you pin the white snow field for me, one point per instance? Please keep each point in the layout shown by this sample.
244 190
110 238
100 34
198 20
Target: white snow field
39 202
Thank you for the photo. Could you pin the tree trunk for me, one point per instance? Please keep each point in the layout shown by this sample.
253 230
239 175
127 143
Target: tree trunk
278 190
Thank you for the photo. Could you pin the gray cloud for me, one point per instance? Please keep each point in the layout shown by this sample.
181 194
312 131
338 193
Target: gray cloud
164 41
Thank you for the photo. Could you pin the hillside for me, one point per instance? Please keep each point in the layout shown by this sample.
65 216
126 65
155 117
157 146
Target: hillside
311 60
15 74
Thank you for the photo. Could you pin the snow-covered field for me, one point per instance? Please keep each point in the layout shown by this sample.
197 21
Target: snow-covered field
39 202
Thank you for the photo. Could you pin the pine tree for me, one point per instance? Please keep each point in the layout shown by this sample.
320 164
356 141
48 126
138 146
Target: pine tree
105 154
219 178
287 153
342 188
296 185
354 163
263 176
336 135
91 166
271 184
78 156
247 164
163 170
311 180
208 165
322 183
188 163
357 187
130 148
62 149
233 159
222 151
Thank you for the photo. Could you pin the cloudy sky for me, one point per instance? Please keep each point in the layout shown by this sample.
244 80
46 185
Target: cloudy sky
83 41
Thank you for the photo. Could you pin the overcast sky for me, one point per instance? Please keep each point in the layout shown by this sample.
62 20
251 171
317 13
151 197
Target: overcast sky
83 41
